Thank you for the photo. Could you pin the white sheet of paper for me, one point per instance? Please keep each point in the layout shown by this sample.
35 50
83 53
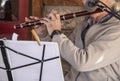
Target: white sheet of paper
52 69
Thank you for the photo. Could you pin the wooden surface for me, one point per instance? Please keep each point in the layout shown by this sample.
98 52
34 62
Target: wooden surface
63 2
37 6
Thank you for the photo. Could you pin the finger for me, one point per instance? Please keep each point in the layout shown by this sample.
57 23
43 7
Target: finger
53 11
45 19
52 16
27 19
30 19
58 16
34 18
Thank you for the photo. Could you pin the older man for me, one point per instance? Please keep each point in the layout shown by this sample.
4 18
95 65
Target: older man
93 49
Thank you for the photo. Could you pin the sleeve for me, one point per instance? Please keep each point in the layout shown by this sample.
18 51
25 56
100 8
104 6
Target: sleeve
72 36
100 53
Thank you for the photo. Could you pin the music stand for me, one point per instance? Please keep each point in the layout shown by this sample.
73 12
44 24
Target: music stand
27 61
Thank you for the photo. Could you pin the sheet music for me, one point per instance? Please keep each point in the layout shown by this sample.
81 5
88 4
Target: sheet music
52 69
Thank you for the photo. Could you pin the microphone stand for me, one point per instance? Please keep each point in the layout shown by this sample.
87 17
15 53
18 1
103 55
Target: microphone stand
104 7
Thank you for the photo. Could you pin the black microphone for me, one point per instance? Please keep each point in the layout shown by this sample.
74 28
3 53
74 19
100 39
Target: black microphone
91 5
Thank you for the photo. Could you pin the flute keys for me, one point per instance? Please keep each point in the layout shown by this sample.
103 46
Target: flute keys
74 15
63 17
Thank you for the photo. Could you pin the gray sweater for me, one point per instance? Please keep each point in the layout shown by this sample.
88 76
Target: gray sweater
100 59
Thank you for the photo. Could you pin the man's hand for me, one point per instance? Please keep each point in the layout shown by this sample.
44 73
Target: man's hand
52 22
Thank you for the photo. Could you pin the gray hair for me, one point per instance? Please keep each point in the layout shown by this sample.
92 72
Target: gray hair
116 5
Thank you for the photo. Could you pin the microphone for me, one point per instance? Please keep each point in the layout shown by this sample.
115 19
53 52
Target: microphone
91 5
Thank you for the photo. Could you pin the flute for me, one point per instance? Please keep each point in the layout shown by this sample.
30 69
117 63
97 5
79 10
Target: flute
62 17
